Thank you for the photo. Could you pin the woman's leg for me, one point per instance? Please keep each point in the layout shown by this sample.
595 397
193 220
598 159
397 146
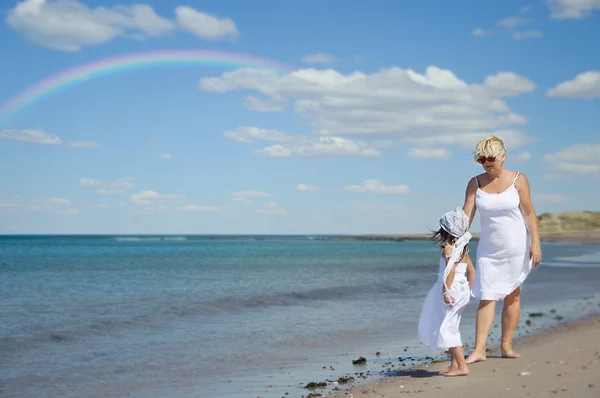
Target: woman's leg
510 319
485 319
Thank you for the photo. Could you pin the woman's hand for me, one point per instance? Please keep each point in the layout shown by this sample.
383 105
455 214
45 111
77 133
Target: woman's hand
535 254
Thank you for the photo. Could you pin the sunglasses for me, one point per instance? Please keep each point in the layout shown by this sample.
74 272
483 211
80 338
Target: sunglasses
484 159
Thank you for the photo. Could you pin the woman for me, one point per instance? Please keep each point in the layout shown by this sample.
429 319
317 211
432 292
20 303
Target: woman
509 244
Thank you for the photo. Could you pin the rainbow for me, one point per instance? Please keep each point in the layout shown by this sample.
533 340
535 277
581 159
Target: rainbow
128 62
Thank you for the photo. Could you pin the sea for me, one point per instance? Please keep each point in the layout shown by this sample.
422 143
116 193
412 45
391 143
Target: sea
238 316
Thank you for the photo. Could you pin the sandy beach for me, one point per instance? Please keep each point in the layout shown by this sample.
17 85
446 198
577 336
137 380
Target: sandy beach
562 362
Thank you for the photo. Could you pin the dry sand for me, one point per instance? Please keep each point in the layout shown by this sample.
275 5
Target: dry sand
563 362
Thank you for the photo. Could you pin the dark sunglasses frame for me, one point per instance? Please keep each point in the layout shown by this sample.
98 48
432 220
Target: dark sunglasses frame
484 159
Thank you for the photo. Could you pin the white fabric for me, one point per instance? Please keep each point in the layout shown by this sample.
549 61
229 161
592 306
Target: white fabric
439 322
456 224
503 261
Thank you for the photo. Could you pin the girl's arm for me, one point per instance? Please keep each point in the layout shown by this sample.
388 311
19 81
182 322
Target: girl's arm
470 271
450 278
530 218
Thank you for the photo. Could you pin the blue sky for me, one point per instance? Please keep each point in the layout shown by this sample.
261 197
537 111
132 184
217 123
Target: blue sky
372 133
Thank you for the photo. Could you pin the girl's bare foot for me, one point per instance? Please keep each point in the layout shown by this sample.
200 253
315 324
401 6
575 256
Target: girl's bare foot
475 357
458 372
445 370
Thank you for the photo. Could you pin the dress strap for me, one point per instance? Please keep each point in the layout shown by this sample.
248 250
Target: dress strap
477 181
516 178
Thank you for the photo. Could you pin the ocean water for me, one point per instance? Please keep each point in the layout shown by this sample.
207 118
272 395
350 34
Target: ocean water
234 317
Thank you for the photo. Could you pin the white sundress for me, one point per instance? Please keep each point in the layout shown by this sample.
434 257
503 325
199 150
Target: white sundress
439 322
503 261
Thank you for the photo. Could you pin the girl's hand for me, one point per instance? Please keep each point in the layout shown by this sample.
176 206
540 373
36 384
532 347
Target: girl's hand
535 254
448 299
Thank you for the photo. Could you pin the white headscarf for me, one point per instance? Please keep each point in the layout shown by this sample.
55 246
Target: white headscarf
456 223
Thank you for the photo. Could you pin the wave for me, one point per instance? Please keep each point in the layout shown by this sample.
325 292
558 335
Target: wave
176 308
149 238
286 299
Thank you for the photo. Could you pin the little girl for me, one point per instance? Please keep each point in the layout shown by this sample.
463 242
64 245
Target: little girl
440 317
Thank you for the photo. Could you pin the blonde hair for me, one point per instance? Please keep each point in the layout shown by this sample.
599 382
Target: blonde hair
491 146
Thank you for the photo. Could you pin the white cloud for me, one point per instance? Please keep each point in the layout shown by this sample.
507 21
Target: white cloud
479 32
320 147
271 208
85 144
166 156
88 182
273 104
151 197
57 201
317 58
528 34
393 103
111 187
513 22
151 141
44 204
302 146
548 197
110 191
508 84
519 157
152 209
572 9
248 134
580 160
193 207
306 188
39 136
377 186
72 212
101 206
205 26
585 85
32 136
525 9
69 25
429 153
245 196
512 139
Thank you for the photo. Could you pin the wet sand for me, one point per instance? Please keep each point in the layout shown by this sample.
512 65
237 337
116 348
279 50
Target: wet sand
564 361
591 237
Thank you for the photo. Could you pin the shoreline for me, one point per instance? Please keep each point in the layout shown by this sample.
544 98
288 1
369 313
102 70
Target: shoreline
592 237
562 360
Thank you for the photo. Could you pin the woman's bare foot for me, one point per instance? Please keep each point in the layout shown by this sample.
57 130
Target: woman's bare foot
507 352
510 354
445 370
475 357
458 372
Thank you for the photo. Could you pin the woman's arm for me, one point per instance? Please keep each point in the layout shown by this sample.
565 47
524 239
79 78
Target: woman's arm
469 206
530 218
470 271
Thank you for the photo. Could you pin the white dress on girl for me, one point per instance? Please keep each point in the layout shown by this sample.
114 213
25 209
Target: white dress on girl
503 261
439 322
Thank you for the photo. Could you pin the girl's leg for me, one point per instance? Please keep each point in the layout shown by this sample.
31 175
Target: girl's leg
458 356
453 365
510 319
485 319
